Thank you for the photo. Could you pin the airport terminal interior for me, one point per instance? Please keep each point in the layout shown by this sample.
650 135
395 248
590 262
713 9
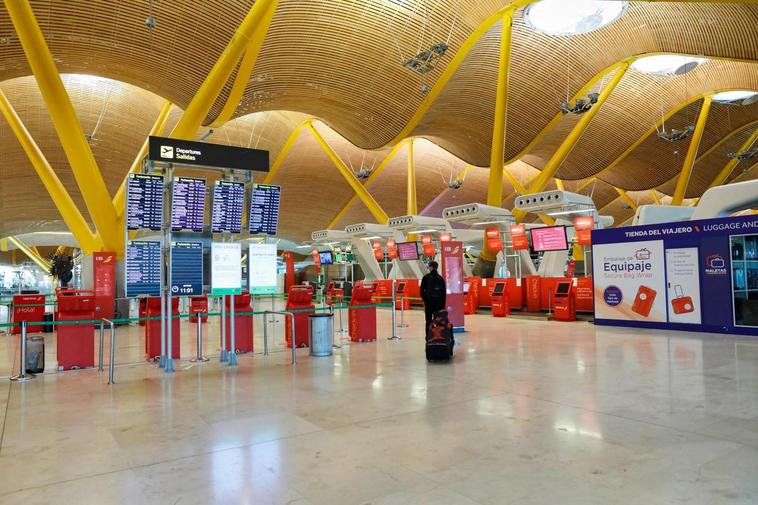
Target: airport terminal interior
379 252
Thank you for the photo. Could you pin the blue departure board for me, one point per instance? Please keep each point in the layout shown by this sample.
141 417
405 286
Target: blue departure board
143 268
228 205
188 204
264 209
186 268
144 202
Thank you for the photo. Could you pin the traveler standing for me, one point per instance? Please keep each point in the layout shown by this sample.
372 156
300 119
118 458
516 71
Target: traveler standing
433 291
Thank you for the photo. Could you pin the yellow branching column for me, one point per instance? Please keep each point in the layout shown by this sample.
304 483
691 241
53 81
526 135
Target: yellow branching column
412 202
61 198
723 175
495 186
79 155
689 160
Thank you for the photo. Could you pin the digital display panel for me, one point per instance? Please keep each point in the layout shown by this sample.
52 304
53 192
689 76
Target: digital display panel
264 209
186 268
144 202
562 289
407 251
550 238
499 288
143 268
228 206
326 257
188 204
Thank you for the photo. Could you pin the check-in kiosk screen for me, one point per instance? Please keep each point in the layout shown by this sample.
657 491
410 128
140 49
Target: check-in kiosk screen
400 288
407 251
499 289
562 289
549 238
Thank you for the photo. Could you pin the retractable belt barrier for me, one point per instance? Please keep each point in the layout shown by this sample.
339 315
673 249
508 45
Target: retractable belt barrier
102 324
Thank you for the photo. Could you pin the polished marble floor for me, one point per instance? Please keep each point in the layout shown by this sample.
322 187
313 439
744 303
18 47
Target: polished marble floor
528 412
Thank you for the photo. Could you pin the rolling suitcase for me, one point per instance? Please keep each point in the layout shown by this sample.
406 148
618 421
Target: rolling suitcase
439 338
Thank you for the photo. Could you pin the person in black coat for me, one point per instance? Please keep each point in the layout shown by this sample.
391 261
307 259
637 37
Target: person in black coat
433 291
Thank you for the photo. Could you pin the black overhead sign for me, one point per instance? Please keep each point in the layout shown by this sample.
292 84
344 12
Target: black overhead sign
187 152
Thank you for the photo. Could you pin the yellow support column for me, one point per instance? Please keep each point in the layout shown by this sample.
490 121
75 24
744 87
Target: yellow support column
83 165
208 92
729 167
411 203
559 185
689 160
552 166
62 200
119 201
656 198
626 198
284 152
368 200
495 186
34 256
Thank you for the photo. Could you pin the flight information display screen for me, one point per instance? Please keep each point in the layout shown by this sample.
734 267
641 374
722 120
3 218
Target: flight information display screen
143 268
186 268
228 205
188 204
144 202
264 209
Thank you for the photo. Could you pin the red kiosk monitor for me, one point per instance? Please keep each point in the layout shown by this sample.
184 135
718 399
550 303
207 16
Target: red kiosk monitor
400 288
500 305
564 302
562 289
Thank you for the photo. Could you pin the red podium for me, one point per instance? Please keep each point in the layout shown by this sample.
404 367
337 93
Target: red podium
500 305
533 293
362 321
334 295
76 341
153 328
564 302
29 308
471 287
243 324
401 297
198 304
142 309
299 298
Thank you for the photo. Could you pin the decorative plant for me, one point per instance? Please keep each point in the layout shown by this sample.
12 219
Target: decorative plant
62 267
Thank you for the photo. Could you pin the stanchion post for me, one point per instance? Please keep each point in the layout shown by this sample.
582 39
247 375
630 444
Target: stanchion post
22 376
199 358
394 316
112 360
224 356
402 312
100 350
294 341
265 333
232 335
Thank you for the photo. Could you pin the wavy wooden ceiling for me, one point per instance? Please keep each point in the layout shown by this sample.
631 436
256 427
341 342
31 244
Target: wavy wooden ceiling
338 60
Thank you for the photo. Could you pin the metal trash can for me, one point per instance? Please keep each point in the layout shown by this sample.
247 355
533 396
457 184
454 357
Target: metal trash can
322 334
35 354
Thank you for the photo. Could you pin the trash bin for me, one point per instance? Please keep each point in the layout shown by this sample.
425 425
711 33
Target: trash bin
322 334
35 354
48 326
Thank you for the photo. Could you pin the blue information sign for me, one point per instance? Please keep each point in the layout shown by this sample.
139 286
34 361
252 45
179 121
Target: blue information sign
186 268
143 268
264 209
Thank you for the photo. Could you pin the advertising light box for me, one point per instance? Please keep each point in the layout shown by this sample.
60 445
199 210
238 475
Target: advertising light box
694 276
262 277
226 268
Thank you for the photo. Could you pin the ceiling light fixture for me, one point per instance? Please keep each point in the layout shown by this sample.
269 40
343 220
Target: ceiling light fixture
571 17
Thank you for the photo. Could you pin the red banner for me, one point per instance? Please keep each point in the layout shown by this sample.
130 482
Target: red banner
494 240
316 257
446 237
390 243
584 223
392 252
104 274
520 242
379 254
584 237
518 230
428 250
426 239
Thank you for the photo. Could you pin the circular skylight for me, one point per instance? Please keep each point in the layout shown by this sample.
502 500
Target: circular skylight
734 96
667 64
569 17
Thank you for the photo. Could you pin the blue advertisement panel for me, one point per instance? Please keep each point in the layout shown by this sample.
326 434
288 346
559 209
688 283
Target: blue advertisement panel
693 276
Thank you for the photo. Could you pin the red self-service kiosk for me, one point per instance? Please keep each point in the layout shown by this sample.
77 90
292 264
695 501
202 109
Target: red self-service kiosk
471 296
362 321
198 304
334 295
142 308
401 298
75 341
500 305
243 323
153 328
299 298
564 302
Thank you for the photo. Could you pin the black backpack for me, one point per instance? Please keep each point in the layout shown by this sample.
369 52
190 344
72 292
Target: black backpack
436 288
